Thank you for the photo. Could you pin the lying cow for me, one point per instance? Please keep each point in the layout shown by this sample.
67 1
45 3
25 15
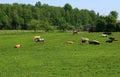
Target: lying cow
84 40
94 42
36 37
18 46
39 40
111 39
70 42
108 33
104 35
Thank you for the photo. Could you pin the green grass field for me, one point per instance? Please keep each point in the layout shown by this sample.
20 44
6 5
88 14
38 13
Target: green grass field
55 58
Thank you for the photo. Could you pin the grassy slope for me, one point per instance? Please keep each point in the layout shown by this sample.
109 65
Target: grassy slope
55 58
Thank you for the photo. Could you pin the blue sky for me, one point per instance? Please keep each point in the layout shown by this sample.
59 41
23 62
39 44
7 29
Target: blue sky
102 6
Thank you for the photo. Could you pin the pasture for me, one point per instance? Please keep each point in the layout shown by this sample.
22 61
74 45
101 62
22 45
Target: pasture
55 58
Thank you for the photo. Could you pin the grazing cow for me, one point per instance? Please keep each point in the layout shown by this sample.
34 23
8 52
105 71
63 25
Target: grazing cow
84 40
70 42
94 42
18 46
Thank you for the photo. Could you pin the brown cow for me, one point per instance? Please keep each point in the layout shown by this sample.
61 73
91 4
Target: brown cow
70 42
18 46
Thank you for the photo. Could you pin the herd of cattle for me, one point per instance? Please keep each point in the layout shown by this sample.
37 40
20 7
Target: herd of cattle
83 40
95 42
35 39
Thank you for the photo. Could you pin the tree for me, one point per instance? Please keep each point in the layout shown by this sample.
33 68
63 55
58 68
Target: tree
117 27
34 24
15 20
6 22
67 7
101 24
85 17
46 26
38 4
61 23
107 24
111 23
19 16
93 17
114 14
1 20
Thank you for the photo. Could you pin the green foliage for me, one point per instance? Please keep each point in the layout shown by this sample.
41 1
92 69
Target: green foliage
38 4
17 16
107 23
111 23
114 14
101 24
67 7
47 27
34 24
117 27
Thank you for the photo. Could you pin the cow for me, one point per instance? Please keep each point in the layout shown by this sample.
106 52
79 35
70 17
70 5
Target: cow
70 42
38 39
94 42
84 40
18 46
76 31
108 33
111 39
104 35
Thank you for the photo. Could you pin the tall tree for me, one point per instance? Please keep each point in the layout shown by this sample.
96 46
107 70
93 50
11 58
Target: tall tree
117 27
101 24
67 7
111 23
114 14
38 4
17 16
34 24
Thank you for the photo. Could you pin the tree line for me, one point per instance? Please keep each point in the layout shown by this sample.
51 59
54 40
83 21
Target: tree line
45 17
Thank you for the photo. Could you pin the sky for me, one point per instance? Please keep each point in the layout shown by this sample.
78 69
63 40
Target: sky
103 7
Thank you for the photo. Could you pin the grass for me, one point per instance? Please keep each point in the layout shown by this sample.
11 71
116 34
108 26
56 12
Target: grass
55 58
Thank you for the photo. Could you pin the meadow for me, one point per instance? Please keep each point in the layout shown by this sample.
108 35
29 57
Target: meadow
55 58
